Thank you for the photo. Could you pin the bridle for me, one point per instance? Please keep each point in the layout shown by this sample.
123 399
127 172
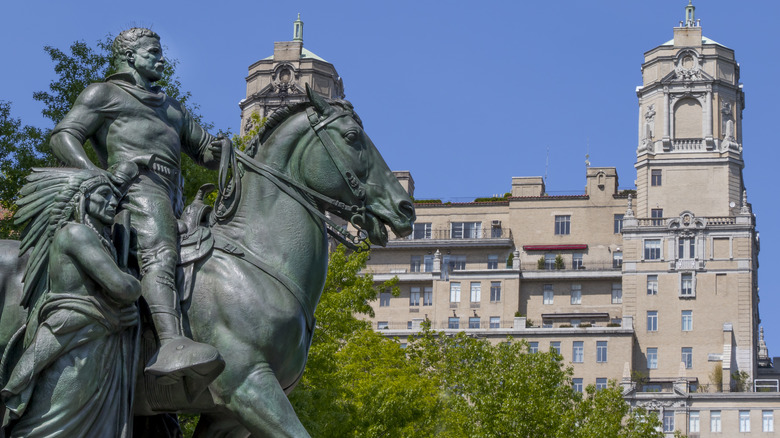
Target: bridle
229 190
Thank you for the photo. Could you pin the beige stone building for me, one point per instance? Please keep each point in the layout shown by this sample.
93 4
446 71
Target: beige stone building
655 288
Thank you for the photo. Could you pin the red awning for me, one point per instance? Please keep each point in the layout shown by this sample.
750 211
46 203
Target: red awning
555 247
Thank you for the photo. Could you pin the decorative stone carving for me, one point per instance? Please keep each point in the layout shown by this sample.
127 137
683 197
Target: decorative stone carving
284 78
688 68
687 221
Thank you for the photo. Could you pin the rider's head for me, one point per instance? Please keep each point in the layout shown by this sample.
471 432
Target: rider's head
139 49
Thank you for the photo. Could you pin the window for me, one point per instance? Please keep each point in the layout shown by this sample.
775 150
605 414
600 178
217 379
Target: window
686 248
576 294
655 177
668 421
601 383
714 421
617 259
618 228
382 325
768 421
533 347
492 261
408 325
549 261
657 214
687 357
556 345
652 358
548 294
495 322
562 225
577 352
693 421
428 296
466 230
601 351
422 231
687 320
744 421
454 292
617 293
686 285
652 285
384 299
652 320
453 322
416 264
577 384
576 261
428 263
476 291
576 322
474 322
457 262
414 296
495 291
652 249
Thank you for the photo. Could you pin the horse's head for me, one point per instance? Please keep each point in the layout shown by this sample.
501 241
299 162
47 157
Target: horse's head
341 162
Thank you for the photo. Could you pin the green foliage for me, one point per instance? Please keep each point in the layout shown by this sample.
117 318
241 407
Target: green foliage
494 198
540 263
21 148
716 378
742 382
510 259
427 201
559 262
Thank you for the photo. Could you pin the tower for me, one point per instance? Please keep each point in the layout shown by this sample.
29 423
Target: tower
691 249
689 155
281 79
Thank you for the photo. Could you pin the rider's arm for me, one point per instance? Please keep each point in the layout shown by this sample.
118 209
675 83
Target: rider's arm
79 124
203 147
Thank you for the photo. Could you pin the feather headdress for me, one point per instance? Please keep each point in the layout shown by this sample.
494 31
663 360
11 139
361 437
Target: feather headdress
51 198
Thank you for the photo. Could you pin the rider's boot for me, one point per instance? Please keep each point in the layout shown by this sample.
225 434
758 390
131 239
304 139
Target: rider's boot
178 356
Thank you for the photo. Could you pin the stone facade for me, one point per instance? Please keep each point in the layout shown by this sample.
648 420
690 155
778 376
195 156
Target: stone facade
655 288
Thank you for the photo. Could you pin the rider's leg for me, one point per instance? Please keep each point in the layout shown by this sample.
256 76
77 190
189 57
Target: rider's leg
152 217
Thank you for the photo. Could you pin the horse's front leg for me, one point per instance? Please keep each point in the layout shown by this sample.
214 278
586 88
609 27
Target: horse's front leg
262 406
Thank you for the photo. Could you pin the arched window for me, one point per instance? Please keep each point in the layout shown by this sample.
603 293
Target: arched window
687 119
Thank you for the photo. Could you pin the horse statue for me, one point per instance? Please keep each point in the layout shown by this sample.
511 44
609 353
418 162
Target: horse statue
253 293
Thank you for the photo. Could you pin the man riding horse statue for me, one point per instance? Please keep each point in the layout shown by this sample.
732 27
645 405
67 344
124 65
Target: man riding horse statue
229 335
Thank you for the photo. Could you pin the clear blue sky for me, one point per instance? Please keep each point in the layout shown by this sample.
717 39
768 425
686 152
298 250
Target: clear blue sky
463 94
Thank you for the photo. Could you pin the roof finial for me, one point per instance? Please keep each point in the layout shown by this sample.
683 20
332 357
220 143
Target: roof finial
690 19
298 29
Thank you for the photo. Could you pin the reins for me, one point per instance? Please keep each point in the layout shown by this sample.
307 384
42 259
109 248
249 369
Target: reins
302 194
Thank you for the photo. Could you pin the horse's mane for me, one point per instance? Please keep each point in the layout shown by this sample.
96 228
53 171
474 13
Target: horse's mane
281 114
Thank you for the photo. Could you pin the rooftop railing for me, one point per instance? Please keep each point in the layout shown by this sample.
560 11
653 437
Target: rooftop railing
448 234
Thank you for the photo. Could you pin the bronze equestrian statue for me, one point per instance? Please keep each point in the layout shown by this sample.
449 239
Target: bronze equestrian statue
254 267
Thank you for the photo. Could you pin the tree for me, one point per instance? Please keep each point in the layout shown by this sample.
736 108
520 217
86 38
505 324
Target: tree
503 390
20 151
358 383
24 147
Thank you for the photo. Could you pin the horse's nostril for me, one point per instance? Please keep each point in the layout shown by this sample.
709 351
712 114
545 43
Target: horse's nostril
407 209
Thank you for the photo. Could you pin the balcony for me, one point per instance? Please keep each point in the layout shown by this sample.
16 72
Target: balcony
443 238
688 145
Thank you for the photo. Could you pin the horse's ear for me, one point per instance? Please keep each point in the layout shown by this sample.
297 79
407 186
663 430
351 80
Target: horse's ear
322 106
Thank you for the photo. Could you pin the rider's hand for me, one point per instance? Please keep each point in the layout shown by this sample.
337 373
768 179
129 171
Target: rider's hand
216 146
